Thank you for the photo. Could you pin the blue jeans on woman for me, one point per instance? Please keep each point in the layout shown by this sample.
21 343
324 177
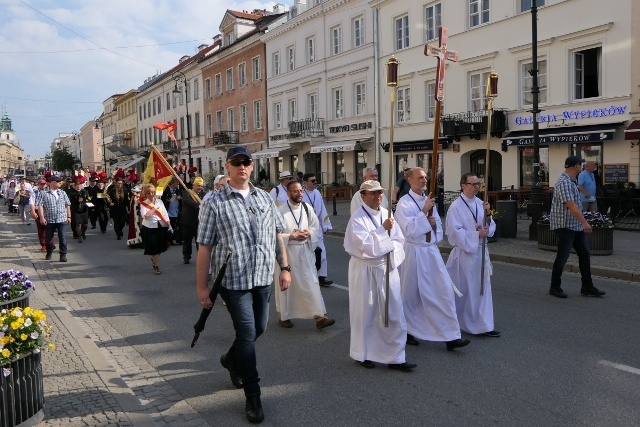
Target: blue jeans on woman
249 312
577 240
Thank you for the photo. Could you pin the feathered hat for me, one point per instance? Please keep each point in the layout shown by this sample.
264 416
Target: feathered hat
132 176
119 173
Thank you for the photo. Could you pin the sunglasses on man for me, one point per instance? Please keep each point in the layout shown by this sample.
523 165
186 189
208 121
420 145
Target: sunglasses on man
237 162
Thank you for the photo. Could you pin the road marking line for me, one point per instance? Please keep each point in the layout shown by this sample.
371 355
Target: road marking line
335 285
621 367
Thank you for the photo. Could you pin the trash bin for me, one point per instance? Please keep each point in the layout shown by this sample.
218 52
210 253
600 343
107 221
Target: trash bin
507 221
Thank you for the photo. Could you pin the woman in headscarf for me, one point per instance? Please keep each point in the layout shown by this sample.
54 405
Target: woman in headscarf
155 224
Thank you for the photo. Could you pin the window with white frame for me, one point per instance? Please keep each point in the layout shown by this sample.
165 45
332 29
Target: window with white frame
168 103
242 74
197 119
477 89
404 105
338 107
402 32
478 12
291 58
336 40
244 127
181 128
196 89
526 76
525 5
229 79
188 91
257 114
277 115
359 101
207 88
276 63
430 94
433 21
218 83
159 104
255 69
219 121
231 120
209 126
587 78
310 44
154 107
293 109
175 99
140 111
312 106
358 32
180 98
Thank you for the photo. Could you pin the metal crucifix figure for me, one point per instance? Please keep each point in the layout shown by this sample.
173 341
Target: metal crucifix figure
443 56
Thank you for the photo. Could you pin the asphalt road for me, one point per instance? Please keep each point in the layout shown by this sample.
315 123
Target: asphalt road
558 362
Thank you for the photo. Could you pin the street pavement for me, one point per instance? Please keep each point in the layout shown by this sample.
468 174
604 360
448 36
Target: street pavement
123 355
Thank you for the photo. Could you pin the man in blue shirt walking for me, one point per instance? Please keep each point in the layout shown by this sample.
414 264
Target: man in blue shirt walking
587 187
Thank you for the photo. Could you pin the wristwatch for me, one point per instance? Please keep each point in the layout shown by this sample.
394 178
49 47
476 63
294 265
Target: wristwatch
286 268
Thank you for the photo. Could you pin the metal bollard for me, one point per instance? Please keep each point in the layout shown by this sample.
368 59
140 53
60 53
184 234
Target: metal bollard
335 206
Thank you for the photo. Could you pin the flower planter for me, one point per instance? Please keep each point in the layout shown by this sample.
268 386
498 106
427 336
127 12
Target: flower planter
22 392
600 240
21 302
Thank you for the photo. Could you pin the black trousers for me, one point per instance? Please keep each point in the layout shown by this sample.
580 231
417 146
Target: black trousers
93 216
189 233
119 221
103 219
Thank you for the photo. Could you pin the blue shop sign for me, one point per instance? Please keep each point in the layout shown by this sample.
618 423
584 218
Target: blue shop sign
570 134
613 110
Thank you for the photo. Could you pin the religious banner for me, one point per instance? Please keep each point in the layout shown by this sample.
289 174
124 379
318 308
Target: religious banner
158 171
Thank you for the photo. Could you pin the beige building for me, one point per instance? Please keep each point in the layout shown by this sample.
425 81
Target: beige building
12 159
109 145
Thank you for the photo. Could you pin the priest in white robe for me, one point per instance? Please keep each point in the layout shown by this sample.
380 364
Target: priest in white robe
313 197
465 231
303 299
368 242
369 173
428 294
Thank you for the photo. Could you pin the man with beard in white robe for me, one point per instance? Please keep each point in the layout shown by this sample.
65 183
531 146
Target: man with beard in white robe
428 294
302 300
368 242
465 231
313 197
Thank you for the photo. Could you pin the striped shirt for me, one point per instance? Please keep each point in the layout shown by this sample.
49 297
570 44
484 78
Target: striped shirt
250 234
565 190
55 208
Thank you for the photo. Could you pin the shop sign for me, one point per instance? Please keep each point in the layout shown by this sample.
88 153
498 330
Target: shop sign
284 136
350 128
613 110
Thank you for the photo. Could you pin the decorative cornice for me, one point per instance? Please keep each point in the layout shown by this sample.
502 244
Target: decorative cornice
527 47
431 70
311 82
479 58
337 76
587 32
359 70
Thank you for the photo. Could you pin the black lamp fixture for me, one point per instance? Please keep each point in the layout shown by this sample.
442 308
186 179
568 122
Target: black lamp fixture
179 76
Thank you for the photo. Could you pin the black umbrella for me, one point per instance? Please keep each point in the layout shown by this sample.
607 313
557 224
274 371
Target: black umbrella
213 294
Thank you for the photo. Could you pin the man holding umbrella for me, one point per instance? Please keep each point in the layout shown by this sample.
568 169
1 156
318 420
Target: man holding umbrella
243 220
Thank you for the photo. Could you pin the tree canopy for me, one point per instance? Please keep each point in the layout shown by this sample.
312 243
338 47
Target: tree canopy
62 160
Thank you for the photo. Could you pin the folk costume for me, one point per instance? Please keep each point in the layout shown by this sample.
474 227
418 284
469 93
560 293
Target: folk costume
79 211
475 311
428 294
134 234
155 228
119 197
314 198
368 243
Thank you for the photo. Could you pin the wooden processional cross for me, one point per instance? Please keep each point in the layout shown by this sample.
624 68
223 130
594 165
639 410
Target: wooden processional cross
443 56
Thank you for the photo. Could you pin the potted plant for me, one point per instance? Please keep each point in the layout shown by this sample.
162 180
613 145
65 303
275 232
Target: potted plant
24 333
495 215
600 239
15 289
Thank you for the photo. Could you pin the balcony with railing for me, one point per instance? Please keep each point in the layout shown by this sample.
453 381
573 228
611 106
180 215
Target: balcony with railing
312 128
169 147
226 137
474 124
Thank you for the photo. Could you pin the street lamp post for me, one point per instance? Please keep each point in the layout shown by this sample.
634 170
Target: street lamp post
179 76
536 191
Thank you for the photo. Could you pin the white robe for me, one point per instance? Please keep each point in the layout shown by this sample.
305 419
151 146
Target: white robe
356 202
475 311
314 198
303 299
428 296
368 245
280 196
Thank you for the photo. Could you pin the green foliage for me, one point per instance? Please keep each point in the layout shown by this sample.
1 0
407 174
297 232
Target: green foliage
62 160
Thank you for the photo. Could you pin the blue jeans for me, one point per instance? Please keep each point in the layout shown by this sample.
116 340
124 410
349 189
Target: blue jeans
249 312
577 240
49 230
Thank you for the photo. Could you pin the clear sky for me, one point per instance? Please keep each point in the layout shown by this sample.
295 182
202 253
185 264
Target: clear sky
62 58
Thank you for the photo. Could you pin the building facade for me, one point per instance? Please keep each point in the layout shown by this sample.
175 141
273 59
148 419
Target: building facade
12 157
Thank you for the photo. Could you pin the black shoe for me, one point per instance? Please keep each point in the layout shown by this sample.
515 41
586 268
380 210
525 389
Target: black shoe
104 231
324 281
591 292
48 255
63 258
557 292
232 371
493 334
75 236
119 238
254 411
406 367
186 260
367 364
84 237
79 240
411 340
452 345
93 227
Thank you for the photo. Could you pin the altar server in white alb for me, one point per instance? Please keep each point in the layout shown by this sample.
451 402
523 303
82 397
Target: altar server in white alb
369 173
279 192
368 242
428 294
303 299
313 197
465 231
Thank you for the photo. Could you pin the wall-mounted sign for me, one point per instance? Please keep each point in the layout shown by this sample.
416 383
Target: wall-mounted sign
616 172
284 136
613 110
350 128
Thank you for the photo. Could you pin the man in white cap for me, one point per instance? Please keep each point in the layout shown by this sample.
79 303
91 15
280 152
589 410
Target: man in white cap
279 193
368 174
368 242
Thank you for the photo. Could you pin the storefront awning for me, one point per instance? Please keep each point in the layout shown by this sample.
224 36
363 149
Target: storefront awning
420 145
269 153
591 133
128 163
632 133
334 146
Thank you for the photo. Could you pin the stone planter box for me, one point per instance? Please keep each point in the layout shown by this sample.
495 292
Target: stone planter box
600 240
22 392
341 193
21 302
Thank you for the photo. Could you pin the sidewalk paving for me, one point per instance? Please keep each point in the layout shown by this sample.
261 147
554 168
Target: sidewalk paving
622 264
